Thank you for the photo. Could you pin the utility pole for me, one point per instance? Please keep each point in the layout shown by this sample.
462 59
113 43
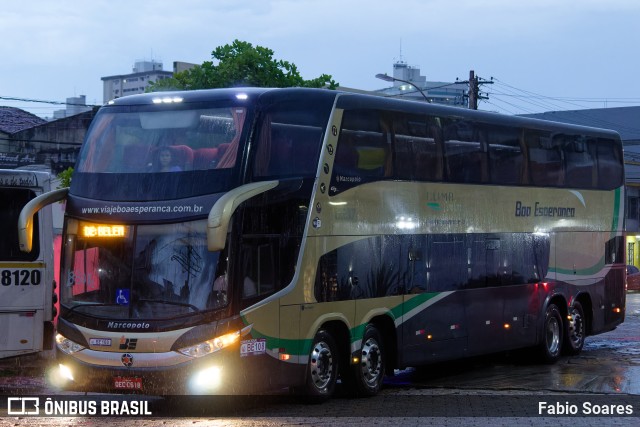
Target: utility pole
474 90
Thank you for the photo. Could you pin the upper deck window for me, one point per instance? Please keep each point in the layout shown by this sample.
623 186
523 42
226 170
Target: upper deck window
163 141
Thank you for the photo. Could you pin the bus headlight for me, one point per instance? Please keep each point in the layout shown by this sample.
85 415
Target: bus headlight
211 346
66 345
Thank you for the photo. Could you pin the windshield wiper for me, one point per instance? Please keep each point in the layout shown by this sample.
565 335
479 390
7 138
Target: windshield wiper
92 304
181 304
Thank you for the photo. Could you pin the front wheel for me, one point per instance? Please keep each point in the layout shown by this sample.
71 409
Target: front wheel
552 334
574 330
322 368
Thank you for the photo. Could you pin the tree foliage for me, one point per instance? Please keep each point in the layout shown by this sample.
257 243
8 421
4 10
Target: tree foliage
65 178
240 64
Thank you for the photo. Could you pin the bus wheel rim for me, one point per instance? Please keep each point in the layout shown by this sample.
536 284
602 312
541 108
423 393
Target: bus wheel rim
321 365
553 335
371 362
576 328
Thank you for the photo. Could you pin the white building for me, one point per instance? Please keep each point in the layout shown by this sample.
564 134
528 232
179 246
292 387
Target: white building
143 73
74 105
407 77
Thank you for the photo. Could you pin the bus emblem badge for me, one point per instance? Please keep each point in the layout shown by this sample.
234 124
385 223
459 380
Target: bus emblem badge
127 360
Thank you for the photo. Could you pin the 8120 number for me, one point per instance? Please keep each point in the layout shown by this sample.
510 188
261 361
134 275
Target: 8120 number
20 277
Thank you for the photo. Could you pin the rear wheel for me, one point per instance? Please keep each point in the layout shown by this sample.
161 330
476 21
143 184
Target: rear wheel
574 330
365 378
552 334
322 369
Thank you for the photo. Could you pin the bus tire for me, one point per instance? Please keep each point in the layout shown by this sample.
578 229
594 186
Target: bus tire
575 330
368 374
552 334
322 368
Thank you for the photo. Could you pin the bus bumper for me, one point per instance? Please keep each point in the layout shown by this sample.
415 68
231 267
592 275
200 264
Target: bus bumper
216 374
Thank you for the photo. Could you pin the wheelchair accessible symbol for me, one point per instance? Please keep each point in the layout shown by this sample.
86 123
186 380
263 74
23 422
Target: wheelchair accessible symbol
122 297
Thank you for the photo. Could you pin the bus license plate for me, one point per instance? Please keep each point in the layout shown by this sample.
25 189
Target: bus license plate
253 347
127 383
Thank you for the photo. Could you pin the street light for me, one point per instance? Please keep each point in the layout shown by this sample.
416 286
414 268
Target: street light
388 78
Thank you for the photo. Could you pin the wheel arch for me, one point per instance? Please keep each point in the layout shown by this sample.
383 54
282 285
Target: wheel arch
561 302
340 333
387 329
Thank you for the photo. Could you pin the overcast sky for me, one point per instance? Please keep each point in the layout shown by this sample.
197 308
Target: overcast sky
543 54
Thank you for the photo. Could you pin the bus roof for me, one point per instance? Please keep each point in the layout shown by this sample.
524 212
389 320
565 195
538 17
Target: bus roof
356 100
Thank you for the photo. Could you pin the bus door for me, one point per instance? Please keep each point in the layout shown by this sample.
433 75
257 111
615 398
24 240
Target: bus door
25 278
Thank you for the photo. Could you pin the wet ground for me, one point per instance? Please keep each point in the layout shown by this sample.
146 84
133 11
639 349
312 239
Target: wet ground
489 391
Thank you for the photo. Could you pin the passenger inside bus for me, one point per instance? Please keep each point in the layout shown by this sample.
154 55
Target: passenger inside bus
164 161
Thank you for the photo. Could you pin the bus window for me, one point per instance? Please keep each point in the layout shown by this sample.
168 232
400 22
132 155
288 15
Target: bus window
343 274
259 270
610 174
545 159
417 148
288 140
465 152
287 150
363 153
579 159
505 155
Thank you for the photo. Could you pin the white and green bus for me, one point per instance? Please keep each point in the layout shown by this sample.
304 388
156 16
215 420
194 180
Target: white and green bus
26 278
226 241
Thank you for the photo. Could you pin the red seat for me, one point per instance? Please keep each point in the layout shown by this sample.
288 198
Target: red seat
205 158
183 156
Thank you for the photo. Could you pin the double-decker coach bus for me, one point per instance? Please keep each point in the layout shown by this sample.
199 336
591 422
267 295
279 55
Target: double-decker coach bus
223 241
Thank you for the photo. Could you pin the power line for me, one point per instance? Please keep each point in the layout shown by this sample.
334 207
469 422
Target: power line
42 101
554 102
549 103
42 141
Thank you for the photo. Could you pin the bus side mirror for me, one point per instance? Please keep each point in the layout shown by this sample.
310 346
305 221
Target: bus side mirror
25 220
220 214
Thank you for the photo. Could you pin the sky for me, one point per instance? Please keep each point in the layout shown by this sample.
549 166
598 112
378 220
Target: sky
543 55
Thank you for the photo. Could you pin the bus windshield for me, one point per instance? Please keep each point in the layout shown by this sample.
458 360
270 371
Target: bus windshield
140 140
139 272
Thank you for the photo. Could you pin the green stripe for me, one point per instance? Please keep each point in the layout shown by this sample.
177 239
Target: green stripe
302 346
582 272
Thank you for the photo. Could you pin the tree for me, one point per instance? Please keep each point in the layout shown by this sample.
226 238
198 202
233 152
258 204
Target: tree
240 64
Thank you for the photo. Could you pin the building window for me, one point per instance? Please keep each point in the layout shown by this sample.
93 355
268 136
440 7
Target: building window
632 212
